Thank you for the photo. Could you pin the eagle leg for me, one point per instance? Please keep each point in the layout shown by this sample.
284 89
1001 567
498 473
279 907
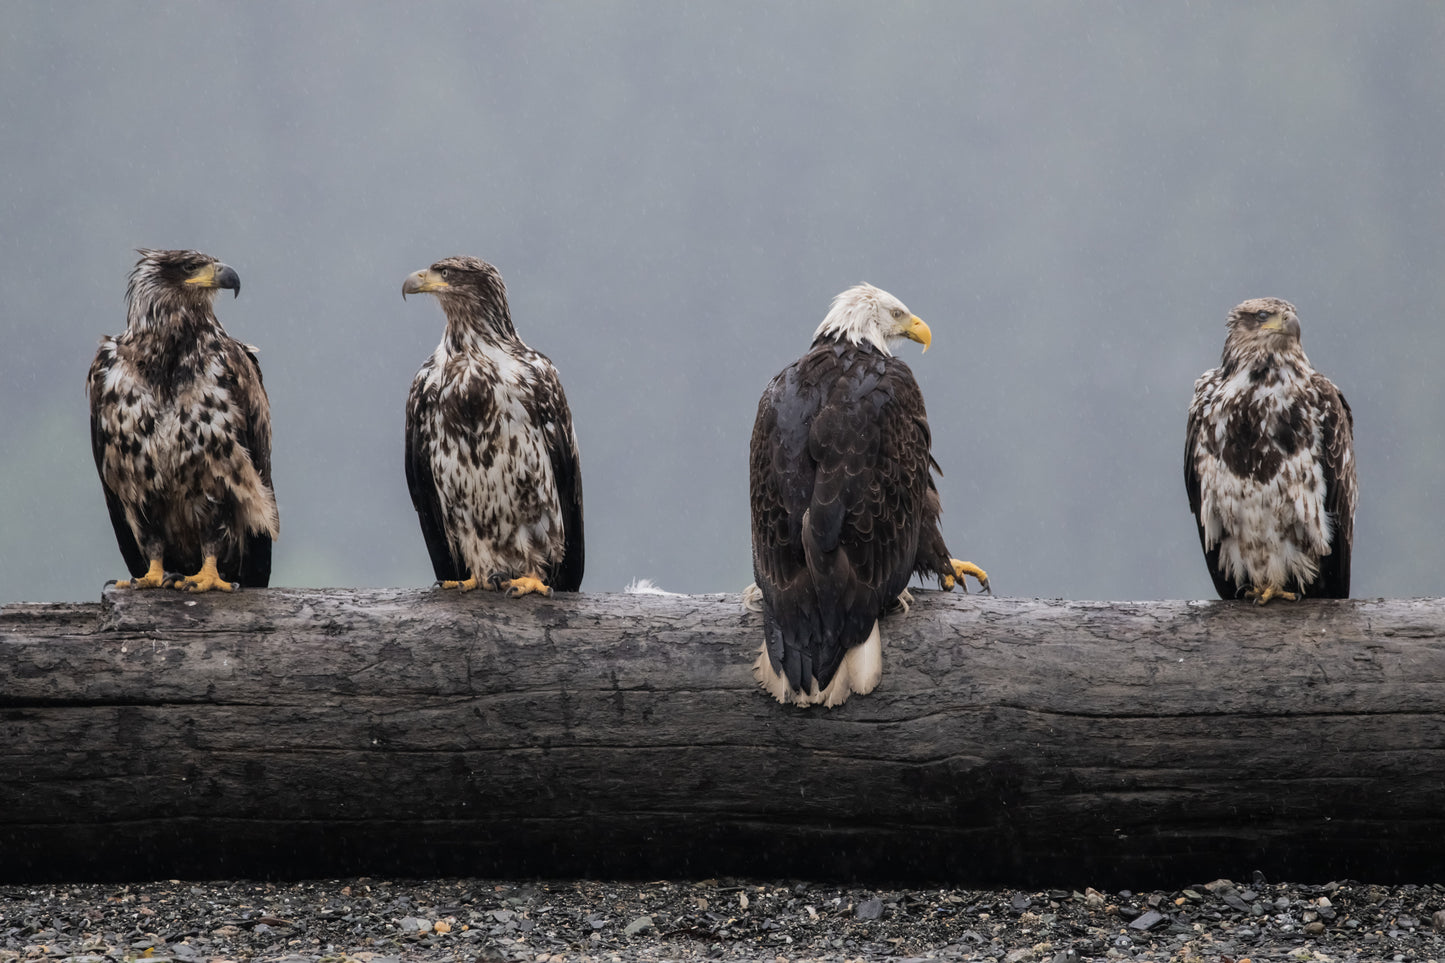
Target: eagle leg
466 585
206 579
526 585
960 569
1262 596
154 577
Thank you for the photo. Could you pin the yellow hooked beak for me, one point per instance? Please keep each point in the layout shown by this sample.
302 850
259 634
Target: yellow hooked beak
918 331
1283 323
217 275
425 281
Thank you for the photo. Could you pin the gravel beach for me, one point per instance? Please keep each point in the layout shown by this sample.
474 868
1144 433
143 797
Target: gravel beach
378 921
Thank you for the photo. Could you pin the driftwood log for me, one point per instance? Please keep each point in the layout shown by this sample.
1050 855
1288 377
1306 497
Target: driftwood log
290 733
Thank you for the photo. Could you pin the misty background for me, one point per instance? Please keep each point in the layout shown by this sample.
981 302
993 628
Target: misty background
1073 196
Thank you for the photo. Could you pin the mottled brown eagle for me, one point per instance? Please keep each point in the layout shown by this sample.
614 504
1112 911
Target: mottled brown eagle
1269 464
844 508
491 457
181 431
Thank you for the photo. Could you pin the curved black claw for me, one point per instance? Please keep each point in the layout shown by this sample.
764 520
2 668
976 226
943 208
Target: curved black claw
496 579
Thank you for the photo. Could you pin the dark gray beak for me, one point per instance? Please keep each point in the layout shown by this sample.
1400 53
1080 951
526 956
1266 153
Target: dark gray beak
226 277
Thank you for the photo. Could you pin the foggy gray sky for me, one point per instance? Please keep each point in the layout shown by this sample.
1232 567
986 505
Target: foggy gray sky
1073 196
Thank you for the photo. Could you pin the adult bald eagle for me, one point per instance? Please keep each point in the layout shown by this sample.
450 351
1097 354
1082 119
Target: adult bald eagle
844 509
1269 464
491 457
181 431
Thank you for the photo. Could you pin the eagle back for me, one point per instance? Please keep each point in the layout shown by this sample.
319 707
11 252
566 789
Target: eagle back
839 485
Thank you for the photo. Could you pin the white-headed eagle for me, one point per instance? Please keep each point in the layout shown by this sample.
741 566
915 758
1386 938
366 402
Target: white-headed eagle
491 457
181 431
844 509
1269 464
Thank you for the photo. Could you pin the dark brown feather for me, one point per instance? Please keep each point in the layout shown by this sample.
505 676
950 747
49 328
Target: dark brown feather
422 485
844 509
1338 425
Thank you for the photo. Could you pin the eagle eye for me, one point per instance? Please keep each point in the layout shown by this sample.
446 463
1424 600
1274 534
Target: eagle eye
1262 315
446 272
898 312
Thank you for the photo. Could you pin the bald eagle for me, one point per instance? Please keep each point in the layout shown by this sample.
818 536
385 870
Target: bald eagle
181 432
844 509
491 457
1269 464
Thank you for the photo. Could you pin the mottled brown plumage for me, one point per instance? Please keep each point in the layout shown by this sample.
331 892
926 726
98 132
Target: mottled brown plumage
1269 464
491 456
844 508
181 433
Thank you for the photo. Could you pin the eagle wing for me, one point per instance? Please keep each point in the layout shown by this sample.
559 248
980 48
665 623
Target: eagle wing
1338 463
420 444
101 436
1193 440
253 568
839 475
555 423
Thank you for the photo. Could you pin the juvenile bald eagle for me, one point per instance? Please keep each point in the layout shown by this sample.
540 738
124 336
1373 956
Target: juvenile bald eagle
1269 464
181 431
491 458
844 509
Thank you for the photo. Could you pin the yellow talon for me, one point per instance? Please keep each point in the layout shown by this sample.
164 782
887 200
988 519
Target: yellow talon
466 585
526 585
960 569
206 579
154 577
1262 596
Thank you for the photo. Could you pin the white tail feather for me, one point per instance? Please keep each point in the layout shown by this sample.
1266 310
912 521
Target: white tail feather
860 671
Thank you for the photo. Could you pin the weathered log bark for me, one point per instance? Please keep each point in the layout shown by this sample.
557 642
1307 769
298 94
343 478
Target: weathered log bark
293 733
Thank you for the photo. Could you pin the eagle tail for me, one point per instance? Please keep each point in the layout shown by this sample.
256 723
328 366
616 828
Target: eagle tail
860 672
772 681
257 504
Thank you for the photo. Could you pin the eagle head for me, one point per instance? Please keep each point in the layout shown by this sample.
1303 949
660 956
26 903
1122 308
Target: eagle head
1262 326
166 285
866 313
471 293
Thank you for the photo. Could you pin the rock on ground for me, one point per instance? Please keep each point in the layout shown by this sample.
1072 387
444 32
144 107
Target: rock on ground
379 921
